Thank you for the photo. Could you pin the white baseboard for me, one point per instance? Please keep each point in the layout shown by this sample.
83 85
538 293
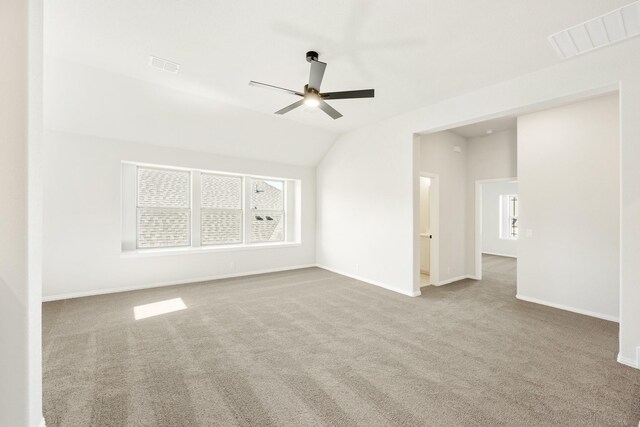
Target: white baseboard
168 283
499 254
567 308
371 282
628 362
42 423
455 279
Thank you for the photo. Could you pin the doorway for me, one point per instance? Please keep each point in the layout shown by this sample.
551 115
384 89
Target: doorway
552 152
496 220
428 229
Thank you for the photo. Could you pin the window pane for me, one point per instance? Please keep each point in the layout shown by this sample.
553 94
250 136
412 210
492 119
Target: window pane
221 192
267 195
267 226
221 214
509 216
163 218
221 227
162 188
160 228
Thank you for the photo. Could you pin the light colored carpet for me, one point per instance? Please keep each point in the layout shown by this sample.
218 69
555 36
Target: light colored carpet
310 347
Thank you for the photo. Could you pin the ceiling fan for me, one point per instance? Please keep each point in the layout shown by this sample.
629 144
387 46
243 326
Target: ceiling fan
311 96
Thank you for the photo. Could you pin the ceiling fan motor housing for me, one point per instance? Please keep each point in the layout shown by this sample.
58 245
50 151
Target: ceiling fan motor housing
312 56
308 90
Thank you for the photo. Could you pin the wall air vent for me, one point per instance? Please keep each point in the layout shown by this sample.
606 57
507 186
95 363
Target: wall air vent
612 27
164 65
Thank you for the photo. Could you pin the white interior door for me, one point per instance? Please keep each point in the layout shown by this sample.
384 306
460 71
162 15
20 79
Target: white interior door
425 228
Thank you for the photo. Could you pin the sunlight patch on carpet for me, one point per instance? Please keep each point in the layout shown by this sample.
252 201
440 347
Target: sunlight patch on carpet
157 308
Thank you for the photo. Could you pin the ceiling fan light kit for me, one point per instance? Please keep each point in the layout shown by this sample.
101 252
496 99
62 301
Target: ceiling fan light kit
311 96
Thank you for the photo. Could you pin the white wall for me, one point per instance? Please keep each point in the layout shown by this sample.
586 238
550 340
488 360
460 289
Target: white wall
491 241
569 199
437 157
359 209
488 157
20 215
368 191
82 239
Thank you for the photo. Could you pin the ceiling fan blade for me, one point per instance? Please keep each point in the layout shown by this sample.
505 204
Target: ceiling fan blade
279 89
349 94
329 110
316 74
290 107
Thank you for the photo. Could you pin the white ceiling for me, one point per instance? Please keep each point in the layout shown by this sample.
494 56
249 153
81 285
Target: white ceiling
413 52
483 128
88 101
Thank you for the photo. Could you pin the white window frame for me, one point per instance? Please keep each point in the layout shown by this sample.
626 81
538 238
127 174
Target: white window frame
291 213
505 216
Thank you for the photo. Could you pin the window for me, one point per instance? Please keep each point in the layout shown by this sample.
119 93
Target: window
165 207
509 216
267 210
221 209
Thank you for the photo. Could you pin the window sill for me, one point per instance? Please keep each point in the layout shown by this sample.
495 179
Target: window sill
143 253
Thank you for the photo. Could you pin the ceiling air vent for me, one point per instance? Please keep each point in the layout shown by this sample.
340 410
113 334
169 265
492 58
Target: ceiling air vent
612 27
164 65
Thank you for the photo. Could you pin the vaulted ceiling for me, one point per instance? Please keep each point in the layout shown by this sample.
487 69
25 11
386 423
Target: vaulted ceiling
413 52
